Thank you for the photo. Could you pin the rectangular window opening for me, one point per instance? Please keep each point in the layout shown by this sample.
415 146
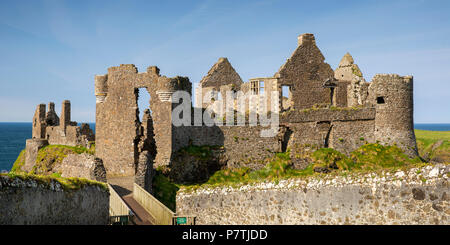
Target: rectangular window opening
261 87
254 87
286 97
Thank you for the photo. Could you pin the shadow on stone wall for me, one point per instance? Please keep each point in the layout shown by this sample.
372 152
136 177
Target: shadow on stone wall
201 158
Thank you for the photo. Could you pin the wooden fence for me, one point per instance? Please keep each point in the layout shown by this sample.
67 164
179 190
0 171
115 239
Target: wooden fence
117 206
161 214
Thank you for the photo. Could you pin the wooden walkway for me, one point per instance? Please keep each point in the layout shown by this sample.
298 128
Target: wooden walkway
124 187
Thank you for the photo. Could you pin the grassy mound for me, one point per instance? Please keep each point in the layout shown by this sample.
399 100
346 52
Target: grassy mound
66 183
20 161
367 158
48 157
433 145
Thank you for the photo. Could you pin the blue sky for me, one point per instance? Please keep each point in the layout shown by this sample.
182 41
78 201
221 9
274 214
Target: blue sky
51 50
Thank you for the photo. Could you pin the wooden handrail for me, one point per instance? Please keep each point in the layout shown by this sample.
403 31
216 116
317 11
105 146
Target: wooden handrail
117 207
161 214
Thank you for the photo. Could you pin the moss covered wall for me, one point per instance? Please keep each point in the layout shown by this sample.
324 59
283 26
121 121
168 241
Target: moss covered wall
414 196
26 201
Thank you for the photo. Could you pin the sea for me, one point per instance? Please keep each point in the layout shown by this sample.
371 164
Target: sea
13 136
12 141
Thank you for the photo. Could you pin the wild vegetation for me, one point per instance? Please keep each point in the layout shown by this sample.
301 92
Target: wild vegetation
164 190
369 157
48 157
66 183
433 145
20 161
325 161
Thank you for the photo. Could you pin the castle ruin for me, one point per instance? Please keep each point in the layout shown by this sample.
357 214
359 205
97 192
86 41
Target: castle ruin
319 107
49 129
323 108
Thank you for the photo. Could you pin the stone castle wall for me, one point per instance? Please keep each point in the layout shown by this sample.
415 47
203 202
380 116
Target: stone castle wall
118 127
403 197
29 202
82 166
242 145
344 130
32 148
48 126
305 72
326 108
72 135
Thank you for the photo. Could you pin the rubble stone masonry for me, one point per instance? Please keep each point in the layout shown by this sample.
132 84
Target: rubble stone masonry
414 196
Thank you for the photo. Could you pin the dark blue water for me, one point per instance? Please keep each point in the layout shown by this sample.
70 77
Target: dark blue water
13 136
12 141
433 126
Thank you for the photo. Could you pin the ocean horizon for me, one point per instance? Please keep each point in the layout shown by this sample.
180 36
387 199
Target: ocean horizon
14 134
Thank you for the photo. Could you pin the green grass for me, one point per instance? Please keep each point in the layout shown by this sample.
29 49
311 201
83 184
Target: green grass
66 183
48 157
432 135
367 158
427 139
164 190
20 161
202 152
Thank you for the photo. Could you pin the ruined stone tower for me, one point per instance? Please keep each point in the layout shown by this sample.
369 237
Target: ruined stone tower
392 96
118 126
39 122
349 74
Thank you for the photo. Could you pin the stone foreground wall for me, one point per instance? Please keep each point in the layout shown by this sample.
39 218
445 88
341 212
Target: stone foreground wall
416 196
27 202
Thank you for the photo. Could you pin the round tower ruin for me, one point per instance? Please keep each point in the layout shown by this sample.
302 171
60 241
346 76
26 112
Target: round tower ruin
392 96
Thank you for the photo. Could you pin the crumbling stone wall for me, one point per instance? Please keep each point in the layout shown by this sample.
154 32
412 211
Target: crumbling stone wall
72 135
242 145
340 98
305 72
220 78
342 129
48 126
31 150
118 127
358 91
347 136
82 166
30 202
402 197
326 108
347 69
38 130
51 118
351 78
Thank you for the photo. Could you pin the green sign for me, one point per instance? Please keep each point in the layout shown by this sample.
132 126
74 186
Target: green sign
181 220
